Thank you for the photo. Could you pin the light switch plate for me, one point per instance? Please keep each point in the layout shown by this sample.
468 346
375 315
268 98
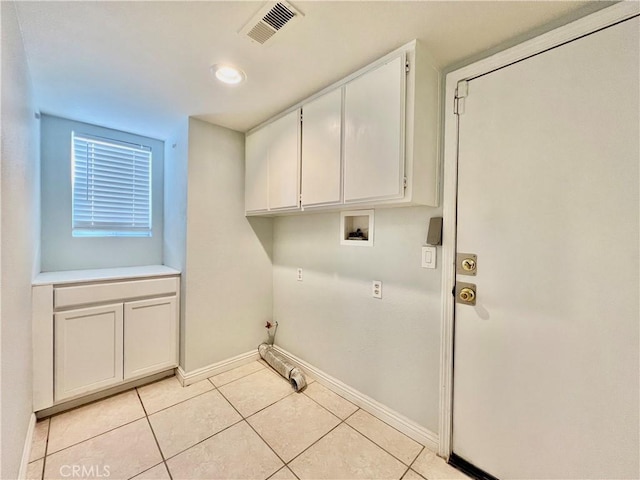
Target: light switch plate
428 257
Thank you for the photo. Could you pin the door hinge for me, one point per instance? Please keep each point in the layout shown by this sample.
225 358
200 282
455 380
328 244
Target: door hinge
407 67
301 116
462 90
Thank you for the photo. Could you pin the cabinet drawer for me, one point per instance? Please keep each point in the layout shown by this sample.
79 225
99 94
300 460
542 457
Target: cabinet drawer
107 292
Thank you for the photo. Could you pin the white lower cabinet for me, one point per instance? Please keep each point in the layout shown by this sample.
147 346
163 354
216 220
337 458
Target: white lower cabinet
150 336
88 350
99 347
91 335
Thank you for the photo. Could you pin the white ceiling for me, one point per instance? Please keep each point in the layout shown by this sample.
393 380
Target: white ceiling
142 66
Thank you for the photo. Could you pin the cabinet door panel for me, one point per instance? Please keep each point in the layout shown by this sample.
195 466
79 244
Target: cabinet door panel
284 162
374 134
88 353
321 150
256 171
150 336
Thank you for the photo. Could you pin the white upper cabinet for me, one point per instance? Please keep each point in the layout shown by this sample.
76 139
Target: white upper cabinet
256 171
284 162
369 140
322 150
374 133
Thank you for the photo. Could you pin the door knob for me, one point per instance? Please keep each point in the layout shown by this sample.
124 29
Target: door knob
467 295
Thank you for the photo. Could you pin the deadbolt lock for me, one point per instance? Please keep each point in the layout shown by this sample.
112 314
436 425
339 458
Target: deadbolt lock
466 263
466 293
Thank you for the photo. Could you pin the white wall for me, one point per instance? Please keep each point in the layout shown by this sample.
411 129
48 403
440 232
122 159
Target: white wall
19 257
386 348
175 212
60 250
228 263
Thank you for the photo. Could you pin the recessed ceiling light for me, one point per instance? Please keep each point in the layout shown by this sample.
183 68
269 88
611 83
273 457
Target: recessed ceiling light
228 74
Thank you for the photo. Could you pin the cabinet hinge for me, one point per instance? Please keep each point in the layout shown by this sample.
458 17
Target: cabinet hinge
462 90
407 67
301 116
404 183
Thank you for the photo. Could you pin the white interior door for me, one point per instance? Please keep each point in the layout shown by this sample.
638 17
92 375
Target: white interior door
546 375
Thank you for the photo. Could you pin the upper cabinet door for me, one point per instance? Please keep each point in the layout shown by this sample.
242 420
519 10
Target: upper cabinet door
321 150
284 162
256 171
374 133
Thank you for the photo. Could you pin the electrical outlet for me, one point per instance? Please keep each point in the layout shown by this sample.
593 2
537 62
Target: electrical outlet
299 275
377 289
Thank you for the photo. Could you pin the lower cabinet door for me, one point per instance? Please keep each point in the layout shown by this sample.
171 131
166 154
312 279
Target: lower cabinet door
88 353
150 336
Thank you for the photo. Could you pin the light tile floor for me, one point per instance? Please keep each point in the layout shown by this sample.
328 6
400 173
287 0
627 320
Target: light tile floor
246 423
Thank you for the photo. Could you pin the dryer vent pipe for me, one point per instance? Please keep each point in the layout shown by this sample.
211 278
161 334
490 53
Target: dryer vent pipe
283 367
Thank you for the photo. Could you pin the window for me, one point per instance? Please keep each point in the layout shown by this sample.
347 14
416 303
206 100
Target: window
111 185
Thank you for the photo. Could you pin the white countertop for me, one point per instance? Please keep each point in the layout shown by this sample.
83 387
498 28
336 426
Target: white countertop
121 273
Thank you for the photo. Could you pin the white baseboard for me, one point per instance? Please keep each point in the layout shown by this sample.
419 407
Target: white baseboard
410 428
188 378
26 451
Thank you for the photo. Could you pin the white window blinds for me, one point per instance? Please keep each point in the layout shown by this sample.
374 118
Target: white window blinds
111 188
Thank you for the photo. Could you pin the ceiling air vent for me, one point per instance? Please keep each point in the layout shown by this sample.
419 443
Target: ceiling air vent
272 18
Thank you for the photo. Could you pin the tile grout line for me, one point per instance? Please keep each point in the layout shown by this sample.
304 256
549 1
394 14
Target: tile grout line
405 473
204 439
332 413
364 435
235 379
146 416
263 408
312 444
181 401
358 432
414 461
94 436
150 468
46 448
383 448
282 468
259 436
242 417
